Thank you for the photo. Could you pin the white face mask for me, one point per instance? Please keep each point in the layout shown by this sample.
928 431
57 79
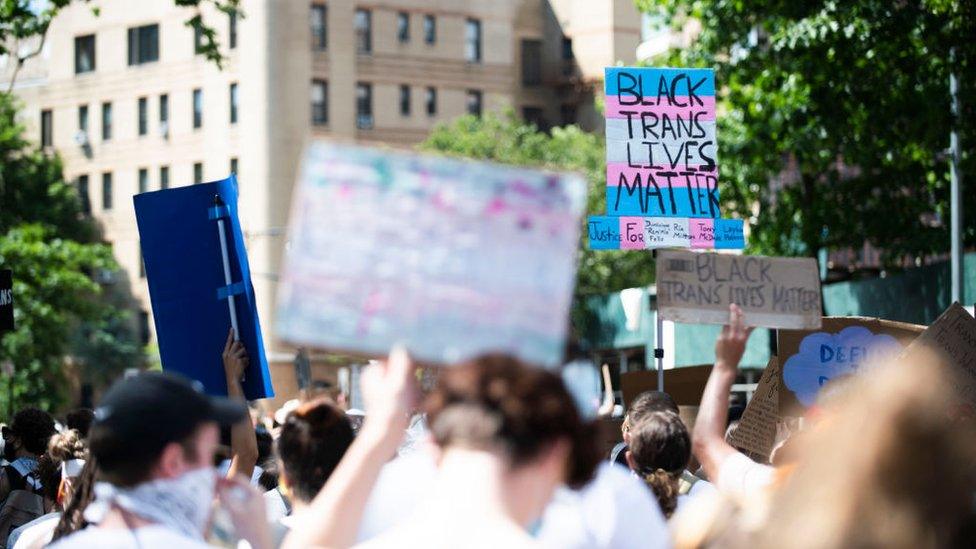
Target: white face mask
183 504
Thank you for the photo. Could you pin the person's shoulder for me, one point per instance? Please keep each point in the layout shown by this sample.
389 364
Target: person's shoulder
112 538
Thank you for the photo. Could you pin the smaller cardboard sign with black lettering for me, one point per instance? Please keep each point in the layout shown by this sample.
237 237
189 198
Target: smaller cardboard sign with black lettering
6 301
756 432
773 292
952 337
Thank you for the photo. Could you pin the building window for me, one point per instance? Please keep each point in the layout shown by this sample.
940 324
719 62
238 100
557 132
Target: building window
142 274
404 100
318 27
363 25
197 172
83 119
47 127
533 115
164 115
567 114
474 102
84 53
567 49
143 180
233 166
232 30
403 27
430 29
233 103
320 102
82 184
472 41
431 101
106 121
143 116
164 177
143 44
107 191
197 108
364 106
531 62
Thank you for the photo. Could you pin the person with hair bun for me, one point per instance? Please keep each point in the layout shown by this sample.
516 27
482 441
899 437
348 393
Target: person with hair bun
506 436
58 469
659 451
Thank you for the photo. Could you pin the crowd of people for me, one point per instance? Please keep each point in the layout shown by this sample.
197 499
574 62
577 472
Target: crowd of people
500 455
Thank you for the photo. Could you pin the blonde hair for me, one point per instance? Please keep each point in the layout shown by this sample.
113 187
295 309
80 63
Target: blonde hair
67 445
886 466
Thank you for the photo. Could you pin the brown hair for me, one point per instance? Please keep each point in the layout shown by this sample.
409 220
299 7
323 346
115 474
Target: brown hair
73 517
497 402
313 440
661 448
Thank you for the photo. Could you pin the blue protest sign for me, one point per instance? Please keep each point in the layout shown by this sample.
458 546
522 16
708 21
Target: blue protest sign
181 250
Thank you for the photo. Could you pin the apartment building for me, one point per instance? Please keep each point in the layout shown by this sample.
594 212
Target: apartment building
131 106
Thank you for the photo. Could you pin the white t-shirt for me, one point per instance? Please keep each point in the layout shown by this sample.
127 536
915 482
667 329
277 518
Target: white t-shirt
740 477
470 532
616 510
121 538
36 533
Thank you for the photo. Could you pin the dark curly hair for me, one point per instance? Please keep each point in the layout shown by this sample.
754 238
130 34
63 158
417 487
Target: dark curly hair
496 402
660 449
33 428
313 439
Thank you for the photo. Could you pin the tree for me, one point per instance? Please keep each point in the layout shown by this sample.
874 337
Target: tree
834 117
53 250
508 140
25 23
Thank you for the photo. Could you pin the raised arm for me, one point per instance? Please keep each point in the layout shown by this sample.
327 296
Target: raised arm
708 439
390 391
243 439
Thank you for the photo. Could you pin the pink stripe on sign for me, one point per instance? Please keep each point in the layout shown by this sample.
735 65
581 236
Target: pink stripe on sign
613 107
631 233
702 233
614 169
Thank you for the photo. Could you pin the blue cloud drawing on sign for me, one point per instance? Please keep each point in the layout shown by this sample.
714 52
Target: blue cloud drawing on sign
825 356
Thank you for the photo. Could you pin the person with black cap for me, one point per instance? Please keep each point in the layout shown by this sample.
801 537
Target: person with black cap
153 439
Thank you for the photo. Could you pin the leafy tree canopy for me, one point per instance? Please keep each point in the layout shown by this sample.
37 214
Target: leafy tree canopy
834 117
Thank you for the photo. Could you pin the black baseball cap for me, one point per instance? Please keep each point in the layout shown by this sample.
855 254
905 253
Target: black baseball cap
141 414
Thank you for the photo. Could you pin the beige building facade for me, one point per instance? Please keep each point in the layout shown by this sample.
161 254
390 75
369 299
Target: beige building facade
125 100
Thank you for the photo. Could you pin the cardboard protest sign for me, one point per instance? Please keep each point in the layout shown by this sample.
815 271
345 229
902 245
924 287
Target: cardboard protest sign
6 301
953 338
811 358
774 292
451 258
645 233
661 146
184 270
685 384
756 432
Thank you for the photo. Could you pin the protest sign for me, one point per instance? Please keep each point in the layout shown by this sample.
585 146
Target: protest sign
953 338
451 258
184 270
811 358
773 292
661 146
6 301
756 432
646 233
685 384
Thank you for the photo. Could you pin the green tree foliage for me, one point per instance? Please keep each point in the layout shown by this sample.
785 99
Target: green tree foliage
508 140
852 94
52 249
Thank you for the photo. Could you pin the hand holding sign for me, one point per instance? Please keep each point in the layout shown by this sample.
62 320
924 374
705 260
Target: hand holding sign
731 342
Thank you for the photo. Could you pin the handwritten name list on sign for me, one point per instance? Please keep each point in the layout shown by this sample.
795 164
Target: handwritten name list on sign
661 146
451 258
773 292
645 233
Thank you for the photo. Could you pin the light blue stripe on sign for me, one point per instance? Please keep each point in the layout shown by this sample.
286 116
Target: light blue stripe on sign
647 81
